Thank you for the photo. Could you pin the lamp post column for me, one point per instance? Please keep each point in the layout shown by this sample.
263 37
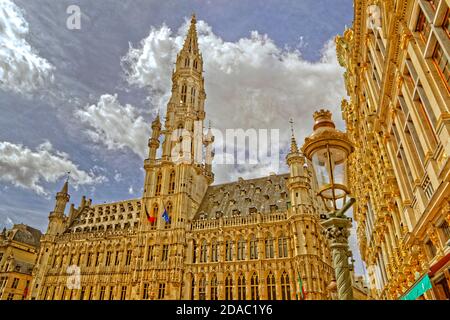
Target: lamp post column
337 230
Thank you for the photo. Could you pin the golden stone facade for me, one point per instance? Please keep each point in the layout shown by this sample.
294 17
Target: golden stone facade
248 239
19 247
398 80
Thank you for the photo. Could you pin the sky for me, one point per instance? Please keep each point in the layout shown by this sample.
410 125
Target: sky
82 100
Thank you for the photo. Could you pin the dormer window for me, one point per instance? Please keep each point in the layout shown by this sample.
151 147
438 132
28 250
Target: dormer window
252 210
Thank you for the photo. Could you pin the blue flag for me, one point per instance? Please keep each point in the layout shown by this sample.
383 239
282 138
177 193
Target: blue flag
165 215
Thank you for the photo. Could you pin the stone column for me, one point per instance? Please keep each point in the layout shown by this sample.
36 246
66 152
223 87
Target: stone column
337 230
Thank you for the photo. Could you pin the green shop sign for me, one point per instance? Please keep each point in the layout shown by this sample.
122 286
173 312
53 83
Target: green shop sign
422 286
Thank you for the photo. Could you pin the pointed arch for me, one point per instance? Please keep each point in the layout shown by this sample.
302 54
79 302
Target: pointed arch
203 251
271 290
202 287
228 287
155 211
158 184
183 93
285 286
254 286
213 295
242 287
172 182
169 209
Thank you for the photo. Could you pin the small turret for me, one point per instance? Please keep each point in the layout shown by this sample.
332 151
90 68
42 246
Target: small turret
299 182
57 217
153 142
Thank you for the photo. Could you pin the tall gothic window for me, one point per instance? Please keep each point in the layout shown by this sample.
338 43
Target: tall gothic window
158 184
285 287
203 256
229 250
241 249
202 288
169 209
193 288
253 247
254 283
214 295
195 64
271 293
193 95
155 211
172 182
269 247
214 253
183 93
282 246
229 288
194 252
186 62
241 287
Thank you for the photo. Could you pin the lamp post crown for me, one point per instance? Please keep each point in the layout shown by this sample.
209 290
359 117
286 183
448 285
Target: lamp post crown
322 118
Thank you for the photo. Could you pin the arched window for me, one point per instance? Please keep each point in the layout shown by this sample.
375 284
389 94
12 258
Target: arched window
254 283
193 95
228 250
203 250
285 287
186 62
202 288
269 247
241 287
155 212
172 182
194 252
169 209
271 293
193 288
253 247
158 184
241 249
183 93
195 64
282 246
214 251
214 287
229 288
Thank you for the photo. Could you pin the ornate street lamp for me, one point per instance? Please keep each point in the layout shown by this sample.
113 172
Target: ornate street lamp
328 149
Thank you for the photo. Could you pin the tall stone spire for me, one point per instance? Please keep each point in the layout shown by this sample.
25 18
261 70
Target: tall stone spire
56 217
294 148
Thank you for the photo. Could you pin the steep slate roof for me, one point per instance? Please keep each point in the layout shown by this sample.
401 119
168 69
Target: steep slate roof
26 234
245 197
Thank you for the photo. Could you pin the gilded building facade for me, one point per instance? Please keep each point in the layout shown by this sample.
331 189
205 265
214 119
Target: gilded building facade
398 80
248 239
19 247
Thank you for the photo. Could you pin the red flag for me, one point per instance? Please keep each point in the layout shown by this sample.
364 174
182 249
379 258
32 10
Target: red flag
149 218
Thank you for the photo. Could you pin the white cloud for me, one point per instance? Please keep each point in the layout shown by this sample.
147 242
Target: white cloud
115 126
22 70
251 83
130 190
26 168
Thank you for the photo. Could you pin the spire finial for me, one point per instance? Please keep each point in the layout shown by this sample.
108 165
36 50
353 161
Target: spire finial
193 19
209 124
294 147
291 121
